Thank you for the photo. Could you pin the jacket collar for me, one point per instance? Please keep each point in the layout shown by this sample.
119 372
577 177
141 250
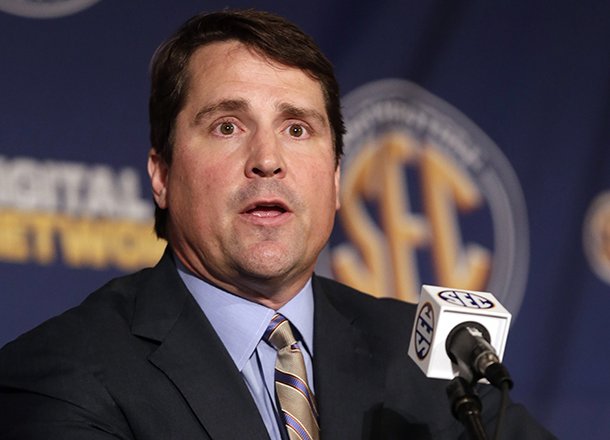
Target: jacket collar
349 380
192 356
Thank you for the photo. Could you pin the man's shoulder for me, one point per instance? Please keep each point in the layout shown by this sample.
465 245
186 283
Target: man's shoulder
103 314
376 314
108 307
340 293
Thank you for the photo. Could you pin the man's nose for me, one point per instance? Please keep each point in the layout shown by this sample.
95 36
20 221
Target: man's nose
265 156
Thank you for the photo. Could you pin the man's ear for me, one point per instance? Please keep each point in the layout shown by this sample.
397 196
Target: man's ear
158 173
337 186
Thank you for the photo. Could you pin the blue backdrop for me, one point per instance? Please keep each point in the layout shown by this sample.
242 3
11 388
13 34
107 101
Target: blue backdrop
531 78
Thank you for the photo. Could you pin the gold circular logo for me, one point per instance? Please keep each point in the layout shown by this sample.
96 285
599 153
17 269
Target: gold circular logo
426 197
596 236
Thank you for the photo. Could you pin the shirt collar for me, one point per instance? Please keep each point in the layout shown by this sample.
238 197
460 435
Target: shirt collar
240 323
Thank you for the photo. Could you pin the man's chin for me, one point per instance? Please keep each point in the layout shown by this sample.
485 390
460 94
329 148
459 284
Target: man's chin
269 267
266 270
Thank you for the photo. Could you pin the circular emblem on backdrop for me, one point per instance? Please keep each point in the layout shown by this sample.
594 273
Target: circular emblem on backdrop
596 236
426 197
44 8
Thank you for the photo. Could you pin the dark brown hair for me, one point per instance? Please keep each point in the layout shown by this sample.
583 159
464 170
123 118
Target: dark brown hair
270 35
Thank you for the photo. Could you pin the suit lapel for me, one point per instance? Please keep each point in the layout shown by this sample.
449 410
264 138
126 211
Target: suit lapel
348 380
193 357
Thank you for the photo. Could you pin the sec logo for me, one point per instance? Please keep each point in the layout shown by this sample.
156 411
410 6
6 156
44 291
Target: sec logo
466 299
426 197
424 330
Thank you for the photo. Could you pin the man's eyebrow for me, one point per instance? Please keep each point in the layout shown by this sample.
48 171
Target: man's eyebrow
301 113
226 105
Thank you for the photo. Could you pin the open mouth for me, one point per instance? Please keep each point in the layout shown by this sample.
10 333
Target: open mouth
266 210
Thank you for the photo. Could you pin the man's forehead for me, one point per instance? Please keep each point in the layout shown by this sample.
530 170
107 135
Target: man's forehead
210 70
222 54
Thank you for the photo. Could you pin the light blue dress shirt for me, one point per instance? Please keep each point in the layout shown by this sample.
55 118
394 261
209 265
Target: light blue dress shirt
240 324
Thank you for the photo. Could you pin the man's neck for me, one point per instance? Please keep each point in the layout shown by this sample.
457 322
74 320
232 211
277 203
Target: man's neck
273 293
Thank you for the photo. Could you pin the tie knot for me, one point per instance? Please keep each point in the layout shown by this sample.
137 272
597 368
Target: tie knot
278 333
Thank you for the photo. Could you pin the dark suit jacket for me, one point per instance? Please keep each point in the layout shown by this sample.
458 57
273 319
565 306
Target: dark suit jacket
139 360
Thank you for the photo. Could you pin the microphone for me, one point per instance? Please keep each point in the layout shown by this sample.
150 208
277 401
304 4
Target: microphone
468 347
460 333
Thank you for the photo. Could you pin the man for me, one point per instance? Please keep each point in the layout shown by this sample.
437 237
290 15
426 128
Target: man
246 135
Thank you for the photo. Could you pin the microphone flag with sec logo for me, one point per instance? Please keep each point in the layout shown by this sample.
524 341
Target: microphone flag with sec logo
440 310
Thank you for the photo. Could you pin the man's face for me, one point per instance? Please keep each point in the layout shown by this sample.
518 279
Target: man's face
253 187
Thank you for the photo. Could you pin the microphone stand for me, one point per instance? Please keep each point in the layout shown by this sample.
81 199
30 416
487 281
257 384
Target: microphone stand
466 407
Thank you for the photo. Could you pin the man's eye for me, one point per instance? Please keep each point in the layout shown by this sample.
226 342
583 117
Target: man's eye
296 130
227 128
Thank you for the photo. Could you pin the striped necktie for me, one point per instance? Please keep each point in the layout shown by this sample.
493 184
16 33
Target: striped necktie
297 402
